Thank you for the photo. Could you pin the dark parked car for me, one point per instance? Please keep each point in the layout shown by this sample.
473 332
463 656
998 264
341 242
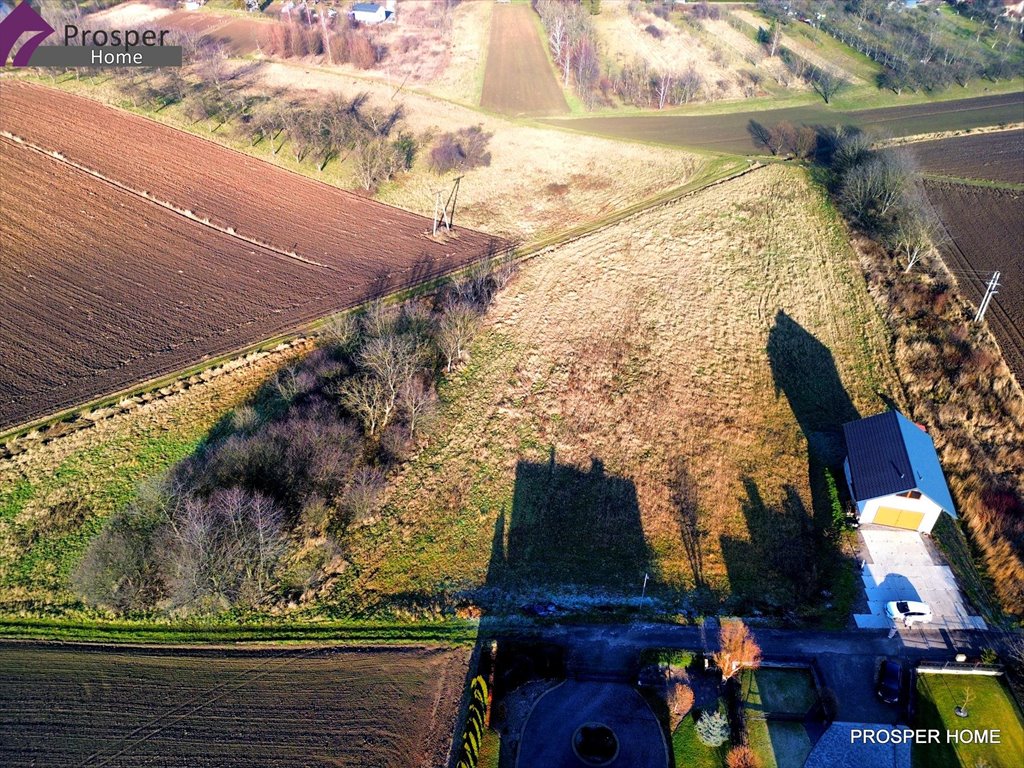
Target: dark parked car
890 681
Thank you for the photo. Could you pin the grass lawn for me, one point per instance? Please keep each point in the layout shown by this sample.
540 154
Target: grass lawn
991 706
779 744
691 752
780 691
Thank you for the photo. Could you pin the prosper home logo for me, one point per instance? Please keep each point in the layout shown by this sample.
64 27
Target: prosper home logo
109 48
19 21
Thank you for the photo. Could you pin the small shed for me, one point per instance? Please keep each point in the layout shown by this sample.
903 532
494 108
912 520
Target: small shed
894 474
369 13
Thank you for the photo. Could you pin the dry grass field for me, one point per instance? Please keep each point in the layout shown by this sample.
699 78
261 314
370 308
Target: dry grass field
298 708
539 180
624 40
715 338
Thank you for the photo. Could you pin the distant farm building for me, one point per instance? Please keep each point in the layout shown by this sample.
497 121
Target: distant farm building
893 473
373 13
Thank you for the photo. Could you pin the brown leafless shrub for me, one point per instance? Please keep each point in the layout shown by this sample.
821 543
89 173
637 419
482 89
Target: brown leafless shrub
742 756
460 150
680 700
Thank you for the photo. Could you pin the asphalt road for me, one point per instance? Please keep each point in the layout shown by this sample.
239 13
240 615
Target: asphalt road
731 132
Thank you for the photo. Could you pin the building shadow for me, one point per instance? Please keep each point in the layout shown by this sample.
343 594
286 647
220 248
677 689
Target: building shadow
805 371
775 569
572 539
568 529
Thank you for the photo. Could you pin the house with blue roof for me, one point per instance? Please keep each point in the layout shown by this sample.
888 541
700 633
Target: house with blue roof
894 474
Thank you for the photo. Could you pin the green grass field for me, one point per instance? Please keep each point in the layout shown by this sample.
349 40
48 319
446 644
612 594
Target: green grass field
990 707
690 752
780 691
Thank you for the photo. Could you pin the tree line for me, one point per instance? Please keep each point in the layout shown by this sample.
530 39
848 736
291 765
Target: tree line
258 513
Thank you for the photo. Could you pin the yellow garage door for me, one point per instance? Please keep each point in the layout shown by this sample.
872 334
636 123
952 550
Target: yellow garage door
898 518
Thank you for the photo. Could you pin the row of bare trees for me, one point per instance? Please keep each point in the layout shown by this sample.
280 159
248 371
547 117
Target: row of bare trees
234 525
640 85
916 48
219 92
573 44
881 190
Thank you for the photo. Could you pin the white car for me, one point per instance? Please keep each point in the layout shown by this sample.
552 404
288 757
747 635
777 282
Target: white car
909 612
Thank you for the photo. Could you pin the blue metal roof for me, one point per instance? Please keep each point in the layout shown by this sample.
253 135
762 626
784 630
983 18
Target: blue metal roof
366 7
888 454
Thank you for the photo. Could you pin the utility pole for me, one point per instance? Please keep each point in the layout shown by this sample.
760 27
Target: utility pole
445 212
643 592
990 291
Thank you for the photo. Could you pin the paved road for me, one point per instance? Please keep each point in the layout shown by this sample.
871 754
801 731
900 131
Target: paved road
731 132
846 659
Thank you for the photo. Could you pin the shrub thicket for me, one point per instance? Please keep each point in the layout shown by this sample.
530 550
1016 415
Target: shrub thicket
259 512
460 150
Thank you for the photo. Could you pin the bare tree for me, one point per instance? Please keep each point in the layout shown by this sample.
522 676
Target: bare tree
455 331
418 402
689 85
366 398
394 360
917 231
737 649
827 83
377 160
663 88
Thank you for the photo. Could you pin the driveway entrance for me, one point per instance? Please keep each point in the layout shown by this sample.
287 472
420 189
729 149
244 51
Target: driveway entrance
901 565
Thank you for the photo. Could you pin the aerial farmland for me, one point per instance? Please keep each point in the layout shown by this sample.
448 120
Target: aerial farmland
506 384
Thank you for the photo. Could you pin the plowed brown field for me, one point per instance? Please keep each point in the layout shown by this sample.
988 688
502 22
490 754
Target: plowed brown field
518 79
380 708
986 229
104 287
997 156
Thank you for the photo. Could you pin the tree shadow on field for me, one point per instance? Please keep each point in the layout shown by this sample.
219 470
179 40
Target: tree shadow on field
568 528
686 509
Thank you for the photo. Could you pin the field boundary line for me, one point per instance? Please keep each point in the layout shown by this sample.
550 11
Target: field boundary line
920 138
182 212
965 182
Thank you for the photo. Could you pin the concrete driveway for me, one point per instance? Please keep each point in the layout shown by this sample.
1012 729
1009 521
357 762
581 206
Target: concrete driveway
901 565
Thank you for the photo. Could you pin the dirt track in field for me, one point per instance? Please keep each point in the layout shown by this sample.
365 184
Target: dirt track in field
94 707
106 282
518 79
997 156
731 132
986 227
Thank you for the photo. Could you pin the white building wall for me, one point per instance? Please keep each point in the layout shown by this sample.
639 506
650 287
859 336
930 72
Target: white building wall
924 504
